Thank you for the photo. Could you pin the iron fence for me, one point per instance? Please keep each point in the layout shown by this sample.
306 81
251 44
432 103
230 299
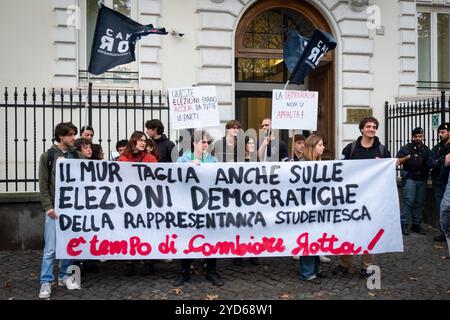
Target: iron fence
401 118
28 119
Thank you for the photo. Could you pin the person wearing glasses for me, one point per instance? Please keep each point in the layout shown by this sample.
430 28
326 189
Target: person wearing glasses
198 154
271 149
136 150
199 149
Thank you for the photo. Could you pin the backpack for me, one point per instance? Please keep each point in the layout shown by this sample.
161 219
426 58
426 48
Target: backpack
51 160
354 146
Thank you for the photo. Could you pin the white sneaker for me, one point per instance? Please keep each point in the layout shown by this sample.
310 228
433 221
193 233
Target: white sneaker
324 259
69 282
296 257
46 290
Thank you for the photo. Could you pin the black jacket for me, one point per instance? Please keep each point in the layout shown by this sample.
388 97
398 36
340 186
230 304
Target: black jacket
438 153
420 163
165 147
377 150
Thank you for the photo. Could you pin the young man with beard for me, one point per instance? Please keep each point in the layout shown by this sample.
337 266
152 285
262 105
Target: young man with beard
367 146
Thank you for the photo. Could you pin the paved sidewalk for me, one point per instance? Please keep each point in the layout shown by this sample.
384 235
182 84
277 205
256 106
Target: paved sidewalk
418 273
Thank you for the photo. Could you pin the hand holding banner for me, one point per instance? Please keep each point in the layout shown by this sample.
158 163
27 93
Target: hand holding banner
193 107
293 109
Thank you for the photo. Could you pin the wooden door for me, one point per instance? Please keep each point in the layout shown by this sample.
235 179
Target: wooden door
322 80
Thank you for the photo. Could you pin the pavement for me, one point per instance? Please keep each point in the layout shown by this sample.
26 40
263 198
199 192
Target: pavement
421 272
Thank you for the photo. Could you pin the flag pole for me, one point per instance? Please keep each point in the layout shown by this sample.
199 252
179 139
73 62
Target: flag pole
88 108
293 130
293 144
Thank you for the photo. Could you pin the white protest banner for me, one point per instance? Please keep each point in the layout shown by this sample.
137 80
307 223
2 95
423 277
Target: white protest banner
119 210
193 107
293 109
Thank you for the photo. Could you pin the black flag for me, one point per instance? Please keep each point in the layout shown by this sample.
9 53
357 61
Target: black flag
115 39
293 49
320 43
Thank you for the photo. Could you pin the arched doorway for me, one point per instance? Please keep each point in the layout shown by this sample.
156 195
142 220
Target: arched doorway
260 69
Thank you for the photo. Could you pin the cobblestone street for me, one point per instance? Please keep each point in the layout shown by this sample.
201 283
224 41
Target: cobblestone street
420 272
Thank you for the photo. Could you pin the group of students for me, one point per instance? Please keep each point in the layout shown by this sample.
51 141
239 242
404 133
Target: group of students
153 146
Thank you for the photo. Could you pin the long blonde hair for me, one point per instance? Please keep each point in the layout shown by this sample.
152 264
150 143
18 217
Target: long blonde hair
309 151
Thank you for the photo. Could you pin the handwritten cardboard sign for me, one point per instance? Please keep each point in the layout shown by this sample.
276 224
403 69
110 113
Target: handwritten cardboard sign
193 107
293 109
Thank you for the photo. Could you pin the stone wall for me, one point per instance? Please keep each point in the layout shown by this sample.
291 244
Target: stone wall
22 221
